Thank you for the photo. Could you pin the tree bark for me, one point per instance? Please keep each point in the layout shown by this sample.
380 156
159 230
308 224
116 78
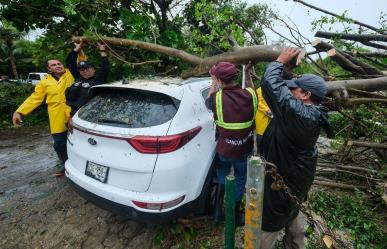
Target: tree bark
369 69
347 167
336 185
322 45
8 40
344 62
13 66
147 46
375 45
367 144
369 85
358 101
239 56
366 94
352 37
349 63
369 54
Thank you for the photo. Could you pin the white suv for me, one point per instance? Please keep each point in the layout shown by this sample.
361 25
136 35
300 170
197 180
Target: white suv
34 78
145 149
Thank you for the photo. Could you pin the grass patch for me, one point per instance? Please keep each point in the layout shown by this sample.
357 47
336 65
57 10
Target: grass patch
352 214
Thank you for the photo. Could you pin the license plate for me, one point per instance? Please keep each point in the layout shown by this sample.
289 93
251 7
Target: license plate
96 171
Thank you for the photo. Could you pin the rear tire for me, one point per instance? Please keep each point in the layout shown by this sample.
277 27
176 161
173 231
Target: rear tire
206 201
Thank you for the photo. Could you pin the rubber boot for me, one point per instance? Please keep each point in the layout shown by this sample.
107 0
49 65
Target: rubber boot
239 215
219 197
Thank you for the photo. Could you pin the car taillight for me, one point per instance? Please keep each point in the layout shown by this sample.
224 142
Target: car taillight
162 144
158 206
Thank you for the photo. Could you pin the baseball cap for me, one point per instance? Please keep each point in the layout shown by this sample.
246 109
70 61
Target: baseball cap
309 82
224 71
84 65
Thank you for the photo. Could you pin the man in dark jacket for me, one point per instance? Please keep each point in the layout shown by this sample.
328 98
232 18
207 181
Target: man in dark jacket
289 142
85 76
234 110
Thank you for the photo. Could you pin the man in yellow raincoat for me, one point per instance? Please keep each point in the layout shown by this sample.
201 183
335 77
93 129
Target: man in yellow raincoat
52 89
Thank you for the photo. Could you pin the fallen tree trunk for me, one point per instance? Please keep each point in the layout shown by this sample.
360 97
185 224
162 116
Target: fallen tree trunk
240 56
321 171
369 54
352 37
345 60
336 185
369 85
375 45
358 101
367 144
321 45
346 167
369 69
366 94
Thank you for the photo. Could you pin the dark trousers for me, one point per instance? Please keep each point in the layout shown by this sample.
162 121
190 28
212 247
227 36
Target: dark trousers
240 173
60 140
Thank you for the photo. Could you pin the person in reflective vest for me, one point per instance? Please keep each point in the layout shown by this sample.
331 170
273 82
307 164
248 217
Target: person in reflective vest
234 111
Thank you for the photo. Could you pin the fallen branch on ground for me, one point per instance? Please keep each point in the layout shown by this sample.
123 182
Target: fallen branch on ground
367 144
336 185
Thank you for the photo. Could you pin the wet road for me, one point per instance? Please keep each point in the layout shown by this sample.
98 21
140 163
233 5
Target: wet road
38 210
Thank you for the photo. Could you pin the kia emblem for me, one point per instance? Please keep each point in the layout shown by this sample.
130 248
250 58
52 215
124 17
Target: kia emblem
92 141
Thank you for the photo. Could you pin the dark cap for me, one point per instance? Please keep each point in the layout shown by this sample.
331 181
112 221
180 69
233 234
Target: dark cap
84 65
309 82
224 70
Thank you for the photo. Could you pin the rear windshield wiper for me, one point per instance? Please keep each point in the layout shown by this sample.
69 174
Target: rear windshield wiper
112 121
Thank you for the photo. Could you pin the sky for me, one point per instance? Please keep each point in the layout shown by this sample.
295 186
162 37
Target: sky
366 11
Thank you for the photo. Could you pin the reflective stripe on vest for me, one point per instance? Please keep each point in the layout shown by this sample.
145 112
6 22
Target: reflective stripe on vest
234 126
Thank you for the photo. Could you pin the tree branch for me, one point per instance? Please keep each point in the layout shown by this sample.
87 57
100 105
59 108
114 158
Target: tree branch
369 85
352 37
338 16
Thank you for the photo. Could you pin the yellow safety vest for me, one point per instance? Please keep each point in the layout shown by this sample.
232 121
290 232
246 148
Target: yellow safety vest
233 126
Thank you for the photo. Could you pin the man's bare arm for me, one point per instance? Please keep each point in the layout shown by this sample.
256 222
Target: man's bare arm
248 78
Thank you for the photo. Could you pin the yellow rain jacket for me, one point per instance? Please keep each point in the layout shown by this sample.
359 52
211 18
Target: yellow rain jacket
54 92
261 119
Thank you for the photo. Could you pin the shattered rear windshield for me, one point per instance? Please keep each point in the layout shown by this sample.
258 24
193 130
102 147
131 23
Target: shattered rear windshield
129 108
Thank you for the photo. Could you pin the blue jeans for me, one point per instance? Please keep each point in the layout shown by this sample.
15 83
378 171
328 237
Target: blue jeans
240 173
60 140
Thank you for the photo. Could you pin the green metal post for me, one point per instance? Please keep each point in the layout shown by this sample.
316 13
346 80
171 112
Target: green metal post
229 238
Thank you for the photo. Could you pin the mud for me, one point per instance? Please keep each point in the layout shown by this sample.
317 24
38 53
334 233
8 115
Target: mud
38 210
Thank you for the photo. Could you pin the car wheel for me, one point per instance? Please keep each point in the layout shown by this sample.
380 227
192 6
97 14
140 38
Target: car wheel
206 202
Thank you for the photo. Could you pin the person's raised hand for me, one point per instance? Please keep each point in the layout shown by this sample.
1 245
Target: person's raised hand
17 119
269 113
101 46
248 67
287 55
78 46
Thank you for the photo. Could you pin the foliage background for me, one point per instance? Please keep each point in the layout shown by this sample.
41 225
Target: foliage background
11 95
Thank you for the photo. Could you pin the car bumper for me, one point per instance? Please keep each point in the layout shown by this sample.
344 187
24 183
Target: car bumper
119 201
132 213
